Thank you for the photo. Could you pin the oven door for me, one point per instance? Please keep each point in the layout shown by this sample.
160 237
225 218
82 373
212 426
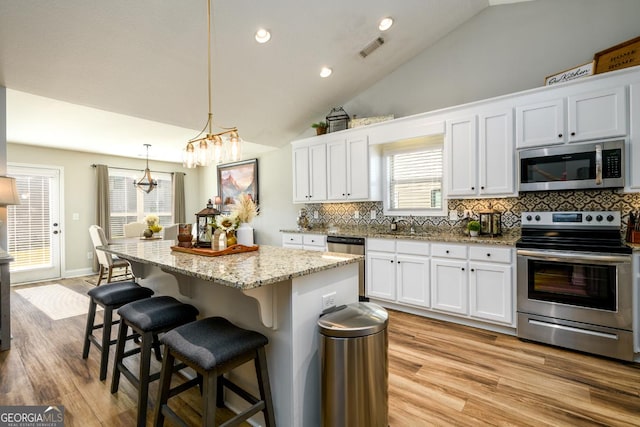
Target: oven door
576 286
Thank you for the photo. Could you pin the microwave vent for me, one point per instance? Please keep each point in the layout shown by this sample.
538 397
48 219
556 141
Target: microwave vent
371 47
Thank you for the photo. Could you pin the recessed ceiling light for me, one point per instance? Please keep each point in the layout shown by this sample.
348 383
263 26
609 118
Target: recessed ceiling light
263 36
325 72
385 24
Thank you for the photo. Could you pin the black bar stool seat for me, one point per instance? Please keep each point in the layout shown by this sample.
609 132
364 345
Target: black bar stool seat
212 347
147 318
110 297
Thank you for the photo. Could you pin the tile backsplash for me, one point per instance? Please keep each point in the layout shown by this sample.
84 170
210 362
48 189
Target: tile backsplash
342 214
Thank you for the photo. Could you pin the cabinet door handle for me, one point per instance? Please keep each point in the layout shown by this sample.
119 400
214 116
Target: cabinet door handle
482 187
462 268
488 254
398 262
447 251
348 194
472 270
473 188
559 135
391 261
343 194
573 134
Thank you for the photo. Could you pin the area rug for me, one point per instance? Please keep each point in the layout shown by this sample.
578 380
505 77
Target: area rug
56 301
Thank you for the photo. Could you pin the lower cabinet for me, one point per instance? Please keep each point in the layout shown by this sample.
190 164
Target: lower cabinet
398 271
309 242
471 281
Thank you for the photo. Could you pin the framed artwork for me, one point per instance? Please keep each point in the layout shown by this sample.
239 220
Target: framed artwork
235 179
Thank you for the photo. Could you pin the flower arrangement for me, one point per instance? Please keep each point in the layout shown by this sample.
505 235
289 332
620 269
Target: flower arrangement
245 209
153 223
227 222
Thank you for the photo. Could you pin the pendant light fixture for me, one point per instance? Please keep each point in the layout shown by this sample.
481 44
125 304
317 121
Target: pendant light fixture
201 151
146 183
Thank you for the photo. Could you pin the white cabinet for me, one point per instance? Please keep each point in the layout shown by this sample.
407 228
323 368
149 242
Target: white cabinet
491 284
480 154
381 272
479 285
309 242
633 153
598 114
398 271
579 117
309 173
461 140
348 175
540 124
496 150
449 286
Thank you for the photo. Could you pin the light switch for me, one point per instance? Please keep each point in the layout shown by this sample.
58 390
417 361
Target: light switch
75 217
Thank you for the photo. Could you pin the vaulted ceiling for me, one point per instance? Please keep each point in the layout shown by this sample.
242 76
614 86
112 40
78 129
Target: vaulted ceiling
109 76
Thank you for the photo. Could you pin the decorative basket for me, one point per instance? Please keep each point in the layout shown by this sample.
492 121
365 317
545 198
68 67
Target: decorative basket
337 119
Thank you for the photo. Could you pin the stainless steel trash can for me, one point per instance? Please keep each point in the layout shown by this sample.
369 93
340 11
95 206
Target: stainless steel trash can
354 371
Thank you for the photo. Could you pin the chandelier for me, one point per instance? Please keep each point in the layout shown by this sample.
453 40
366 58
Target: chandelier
202 150
146 183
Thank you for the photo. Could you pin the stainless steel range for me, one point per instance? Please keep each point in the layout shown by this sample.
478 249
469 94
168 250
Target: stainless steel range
575 282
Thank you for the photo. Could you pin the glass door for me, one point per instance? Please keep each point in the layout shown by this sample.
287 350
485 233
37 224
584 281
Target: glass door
33 226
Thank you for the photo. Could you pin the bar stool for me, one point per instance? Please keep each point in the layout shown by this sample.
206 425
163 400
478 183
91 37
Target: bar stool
212 347
147 318
109 297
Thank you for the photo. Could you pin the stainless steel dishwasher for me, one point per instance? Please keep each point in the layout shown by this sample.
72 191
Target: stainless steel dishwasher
350 245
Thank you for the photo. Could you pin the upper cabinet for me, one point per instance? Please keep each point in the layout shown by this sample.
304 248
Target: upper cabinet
480 154
335 168
633 149
584 116
348 169
309 173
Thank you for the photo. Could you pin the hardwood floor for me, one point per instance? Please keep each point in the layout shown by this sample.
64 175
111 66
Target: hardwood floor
440 374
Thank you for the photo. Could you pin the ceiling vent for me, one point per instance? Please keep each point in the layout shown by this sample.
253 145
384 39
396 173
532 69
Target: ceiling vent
371 47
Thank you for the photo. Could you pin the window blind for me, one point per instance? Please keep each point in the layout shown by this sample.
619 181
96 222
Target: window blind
128 204
414 178
29 239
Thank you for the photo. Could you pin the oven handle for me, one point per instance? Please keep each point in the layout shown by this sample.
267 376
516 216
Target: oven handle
577 257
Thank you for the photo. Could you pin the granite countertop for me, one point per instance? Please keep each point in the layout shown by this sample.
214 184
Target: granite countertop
431 235
267 265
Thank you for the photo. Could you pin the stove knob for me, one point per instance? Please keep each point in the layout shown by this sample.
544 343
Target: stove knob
537 217
599 218
610 218
528 217
589 218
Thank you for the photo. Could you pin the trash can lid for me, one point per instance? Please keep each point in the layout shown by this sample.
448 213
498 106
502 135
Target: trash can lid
354 320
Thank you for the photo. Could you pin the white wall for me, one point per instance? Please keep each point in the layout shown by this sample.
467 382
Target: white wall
79 193
501 50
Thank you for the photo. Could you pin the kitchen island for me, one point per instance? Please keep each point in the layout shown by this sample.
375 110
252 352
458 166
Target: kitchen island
275 291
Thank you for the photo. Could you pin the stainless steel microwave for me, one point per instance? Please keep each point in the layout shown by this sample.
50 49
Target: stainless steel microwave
573 167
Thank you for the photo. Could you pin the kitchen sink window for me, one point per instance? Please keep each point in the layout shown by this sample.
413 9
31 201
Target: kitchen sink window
128 204
413 177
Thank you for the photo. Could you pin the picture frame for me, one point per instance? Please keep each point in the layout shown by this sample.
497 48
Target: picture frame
235 179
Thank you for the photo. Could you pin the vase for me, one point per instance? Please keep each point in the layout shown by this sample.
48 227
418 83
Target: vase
231 238
473 233
245 234
148 233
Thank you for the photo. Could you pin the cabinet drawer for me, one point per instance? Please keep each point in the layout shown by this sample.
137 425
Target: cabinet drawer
449 251
412 247
384 245
295 239
489 253
313 240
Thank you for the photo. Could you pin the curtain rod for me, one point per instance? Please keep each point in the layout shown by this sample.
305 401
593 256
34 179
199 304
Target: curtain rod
135 170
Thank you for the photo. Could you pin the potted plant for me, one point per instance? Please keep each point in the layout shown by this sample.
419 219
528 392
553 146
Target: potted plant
320 127
473 227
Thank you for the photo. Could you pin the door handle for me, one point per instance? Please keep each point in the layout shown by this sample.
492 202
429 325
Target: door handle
55 232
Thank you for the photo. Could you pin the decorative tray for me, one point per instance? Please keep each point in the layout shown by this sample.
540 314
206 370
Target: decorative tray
234 249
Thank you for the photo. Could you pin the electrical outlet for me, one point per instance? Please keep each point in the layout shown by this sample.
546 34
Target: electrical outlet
328 301
315 215
373 214
356 215
467 213
453 215
90 255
